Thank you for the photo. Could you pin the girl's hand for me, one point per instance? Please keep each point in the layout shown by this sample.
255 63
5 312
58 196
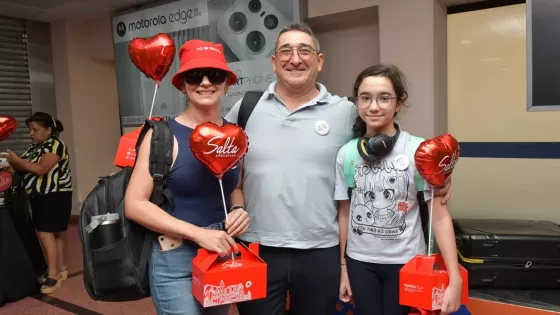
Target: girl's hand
444 191
238 222
345 293
451 299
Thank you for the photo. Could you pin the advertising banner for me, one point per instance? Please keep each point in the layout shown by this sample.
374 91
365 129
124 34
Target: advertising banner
246 28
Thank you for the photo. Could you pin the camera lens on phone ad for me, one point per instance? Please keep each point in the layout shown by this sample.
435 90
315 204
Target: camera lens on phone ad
255 41
255 6
270 22
238 22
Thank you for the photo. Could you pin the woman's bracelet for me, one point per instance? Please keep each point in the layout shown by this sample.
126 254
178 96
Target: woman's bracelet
236 207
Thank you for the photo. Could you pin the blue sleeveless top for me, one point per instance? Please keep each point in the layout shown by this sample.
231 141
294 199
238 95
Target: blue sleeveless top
196 191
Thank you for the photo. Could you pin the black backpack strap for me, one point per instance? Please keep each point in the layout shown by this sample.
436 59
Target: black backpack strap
250 100
161 158
424 215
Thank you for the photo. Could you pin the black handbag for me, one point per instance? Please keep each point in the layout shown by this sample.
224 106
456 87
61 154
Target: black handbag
17 203
17 275
17 279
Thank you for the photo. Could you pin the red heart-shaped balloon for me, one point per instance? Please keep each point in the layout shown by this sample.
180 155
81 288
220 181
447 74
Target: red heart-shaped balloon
219 148
435 158
8 125
5 180
153 56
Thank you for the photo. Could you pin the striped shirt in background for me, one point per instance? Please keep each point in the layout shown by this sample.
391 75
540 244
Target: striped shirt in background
58 178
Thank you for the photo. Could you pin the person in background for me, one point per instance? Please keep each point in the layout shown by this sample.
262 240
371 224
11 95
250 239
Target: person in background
295 132
380 227
47 180
197 220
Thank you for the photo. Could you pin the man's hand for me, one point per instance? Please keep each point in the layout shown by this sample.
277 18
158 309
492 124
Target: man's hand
238 222
345 292
444 191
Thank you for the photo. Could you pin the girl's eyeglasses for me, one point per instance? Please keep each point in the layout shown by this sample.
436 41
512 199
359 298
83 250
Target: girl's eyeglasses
383 101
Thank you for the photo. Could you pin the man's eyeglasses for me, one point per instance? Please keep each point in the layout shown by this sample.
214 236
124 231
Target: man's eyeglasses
215 76
304 52
383 100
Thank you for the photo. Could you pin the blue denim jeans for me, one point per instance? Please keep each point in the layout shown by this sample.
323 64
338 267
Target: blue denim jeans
170 281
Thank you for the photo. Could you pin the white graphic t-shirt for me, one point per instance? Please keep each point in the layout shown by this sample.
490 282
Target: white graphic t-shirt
384 224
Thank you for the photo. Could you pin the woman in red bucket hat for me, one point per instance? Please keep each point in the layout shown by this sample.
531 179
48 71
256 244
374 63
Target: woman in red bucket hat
197 220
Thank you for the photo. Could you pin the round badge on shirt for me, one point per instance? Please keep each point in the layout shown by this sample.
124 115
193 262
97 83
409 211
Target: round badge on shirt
401 162
322 127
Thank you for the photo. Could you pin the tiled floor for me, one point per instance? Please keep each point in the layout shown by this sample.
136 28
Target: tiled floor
72 298
31 306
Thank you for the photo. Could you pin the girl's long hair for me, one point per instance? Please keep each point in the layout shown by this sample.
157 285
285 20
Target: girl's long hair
393 74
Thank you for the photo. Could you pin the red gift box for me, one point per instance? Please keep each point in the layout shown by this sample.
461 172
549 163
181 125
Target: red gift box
423 281
126 152
422 312
219 281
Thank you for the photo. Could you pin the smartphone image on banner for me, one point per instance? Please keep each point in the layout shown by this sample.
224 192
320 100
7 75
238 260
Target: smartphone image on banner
250 28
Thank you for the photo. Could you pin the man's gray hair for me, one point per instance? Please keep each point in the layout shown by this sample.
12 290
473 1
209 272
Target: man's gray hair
301 27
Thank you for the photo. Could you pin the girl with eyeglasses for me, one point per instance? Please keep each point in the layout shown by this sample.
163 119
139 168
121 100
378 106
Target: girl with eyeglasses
197 220
379 216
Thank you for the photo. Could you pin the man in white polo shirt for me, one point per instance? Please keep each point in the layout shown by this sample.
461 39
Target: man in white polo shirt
295 132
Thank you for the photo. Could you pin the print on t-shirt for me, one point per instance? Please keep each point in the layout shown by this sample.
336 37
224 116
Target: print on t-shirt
380 200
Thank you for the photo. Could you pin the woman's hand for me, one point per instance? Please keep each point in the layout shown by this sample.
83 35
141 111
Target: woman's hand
12 161
215 241
345 293
238 222
10 156
451 299
8 169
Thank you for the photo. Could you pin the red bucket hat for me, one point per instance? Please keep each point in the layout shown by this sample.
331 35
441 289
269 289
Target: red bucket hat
195 54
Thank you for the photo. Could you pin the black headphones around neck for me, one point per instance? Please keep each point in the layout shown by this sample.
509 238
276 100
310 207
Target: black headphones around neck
378 146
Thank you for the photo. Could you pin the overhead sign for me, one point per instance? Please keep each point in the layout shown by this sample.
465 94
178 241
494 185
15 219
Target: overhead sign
247 30
173 17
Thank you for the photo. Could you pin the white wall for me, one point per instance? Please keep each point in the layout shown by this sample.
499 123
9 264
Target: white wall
86 98
348 51
412 36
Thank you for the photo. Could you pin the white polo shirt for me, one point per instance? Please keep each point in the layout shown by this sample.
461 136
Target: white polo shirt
289 170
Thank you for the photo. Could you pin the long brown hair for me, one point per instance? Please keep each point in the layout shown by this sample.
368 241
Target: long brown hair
393 74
